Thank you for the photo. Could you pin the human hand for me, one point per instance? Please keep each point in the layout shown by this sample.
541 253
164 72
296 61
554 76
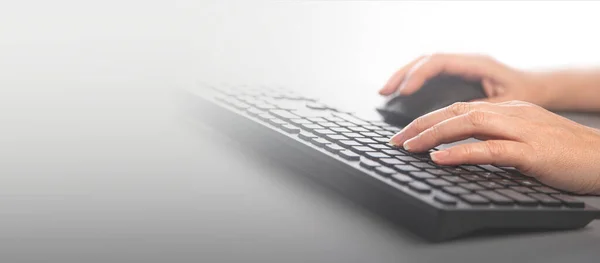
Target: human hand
554 150
500 82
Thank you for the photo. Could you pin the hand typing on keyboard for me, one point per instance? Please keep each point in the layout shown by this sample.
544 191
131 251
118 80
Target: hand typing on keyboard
539 143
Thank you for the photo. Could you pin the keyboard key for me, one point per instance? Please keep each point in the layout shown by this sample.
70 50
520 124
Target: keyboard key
361 149
506 175
335 137
437 183
454 179
505 182
546 200
529 183
422 156
366 163
357 129
472 168
348 143
472 186
379 147
290 128
376 155
569 201
329 125
406 168
545 190
475 199
421 175
488 175
392 152
437 172
364 140
522 189
491 185
346 124
311 127
300 121
520 198
349 155
402 179
319 142
323 132
491 168
352 119
379 123
369 134
392 129
264 106
316 119
254 111
283 114
455 170
422 165
333 119
496 198
455 190
371 127
307 136
385 171
445 199
390 161
407 158
340 129
352 135
471 177
265 116
381 139
384 133
334 148
419 187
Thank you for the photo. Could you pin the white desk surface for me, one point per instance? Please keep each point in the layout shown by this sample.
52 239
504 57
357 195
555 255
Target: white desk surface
97 164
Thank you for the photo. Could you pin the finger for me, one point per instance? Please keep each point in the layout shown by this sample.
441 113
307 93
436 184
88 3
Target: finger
426 121
496 152
463 65
396 79
488 87
475 124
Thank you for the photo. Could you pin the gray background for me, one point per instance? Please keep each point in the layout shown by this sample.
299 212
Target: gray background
99 164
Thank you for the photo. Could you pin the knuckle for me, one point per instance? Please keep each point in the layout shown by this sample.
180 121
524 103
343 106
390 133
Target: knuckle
419 123
459 108
467 153
477 118
488 58
435 132
495 148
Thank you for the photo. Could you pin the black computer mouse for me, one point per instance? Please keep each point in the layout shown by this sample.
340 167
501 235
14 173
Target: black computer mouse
438 92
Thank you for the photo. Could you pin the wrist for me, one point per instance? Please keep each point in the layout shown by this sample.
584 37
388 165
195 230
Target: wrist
551 93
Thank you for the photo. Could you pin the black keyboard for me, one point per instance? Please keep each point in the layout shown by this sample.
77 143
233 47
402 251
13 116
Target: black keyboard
353 156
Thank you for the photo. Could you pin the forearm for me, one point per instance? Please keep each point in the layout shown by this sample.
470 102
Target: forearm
575 89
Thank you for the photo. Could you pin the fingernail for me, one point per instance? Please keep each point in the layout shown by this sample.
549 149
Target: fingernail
439 155
408 144
397 138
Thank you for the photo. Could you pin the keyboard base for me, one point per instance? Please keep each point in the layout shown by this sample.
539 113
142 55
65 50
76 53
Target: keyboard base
427 221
